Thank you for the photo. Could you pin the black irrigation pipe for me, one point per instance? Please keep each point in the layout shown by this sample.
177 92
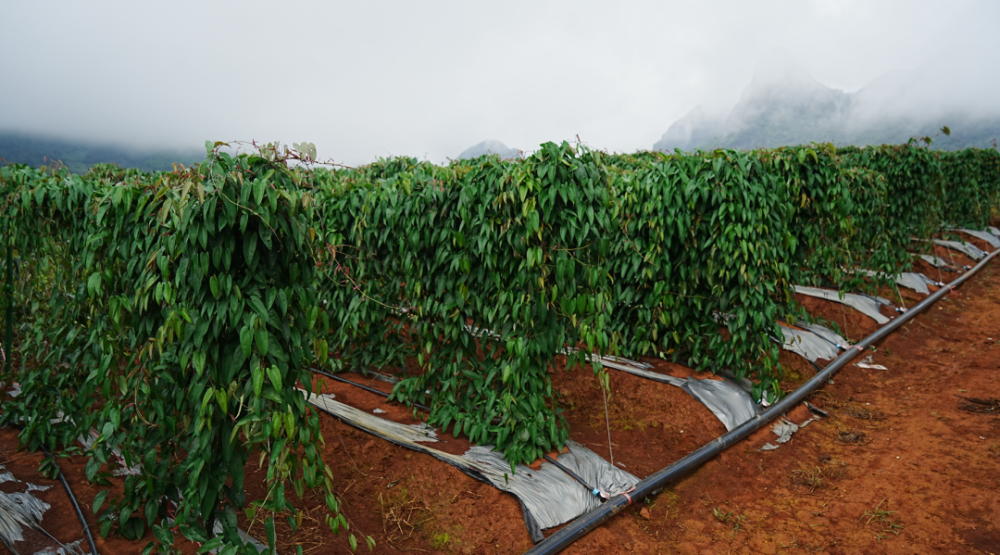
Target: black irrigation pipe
69 492
72 498
656 482
362 386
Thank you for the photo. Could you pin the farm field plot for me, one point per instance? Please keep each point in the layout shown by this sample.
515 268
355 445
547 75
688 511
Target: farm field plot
181 341
904 463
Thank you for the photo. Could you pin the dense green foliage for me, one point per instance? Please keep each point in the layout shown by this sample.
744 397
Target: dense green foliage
176 313
180 318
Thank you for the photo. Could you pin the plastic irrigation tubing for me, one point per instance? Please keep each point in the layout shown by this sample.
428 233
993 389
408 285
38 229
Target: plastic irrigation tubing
362 386
651 485
72 498
76 505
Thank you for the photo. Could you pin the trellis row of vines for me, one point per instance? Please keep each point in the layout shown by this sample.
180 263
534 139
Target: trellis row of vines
177 313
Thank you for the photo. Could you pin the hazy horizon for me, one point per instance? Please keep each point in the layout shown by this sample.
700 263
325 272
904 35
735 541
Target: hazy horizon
431 80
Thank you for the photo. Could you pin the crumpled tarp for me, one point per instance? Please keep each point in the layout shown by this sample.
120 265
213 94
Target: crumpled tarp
990 239
937 262
784 428
730 403
911 280
965 248
826 333
549 497
808 345
863 304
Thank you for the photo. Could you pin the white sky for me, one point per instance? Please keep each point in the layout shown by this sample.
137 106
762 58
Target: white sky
364 80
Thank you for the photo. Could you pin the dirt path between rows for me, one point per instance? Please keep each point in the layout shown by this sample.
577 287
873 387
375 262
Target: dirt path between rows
905 462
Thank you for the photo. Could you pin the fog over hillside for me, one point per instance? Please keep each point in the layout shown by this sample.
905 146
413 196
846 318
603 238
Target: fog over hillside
489 147
785 105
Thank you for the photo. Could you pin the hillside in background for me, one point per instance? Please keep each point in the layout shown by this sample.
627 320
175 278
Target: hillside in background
79 156
784 105
489 147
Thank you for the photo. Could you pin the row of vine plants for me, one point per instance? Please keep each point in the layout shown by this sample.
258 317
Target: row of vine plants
179 313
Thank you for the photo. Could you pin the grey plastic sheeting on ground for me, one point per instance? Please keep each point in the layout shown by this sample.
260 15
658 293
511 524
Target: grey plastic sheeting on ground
936 261
730 403
23 510
808 345
784 428
995 231
826 333
969 250
549 497
640 369
990 239
865 305
911 280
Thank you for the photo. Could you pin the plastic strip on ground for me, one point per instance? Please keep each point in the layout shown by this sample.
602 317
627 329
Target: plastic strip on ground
865 305
969 250
911 280
808 345
826 333
549 497
989 238
937 262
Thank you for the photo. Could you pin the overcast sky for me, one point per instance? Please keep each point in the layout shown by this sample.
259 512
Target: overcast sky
364 80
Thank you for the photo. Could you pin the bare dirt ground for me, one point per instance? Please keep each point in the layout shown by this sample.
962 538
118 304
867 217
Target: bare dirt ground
908 460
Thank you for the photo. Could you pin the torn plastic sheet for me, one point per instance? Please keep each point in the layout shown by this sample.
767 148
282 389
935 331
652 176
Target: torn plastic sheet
826 334
937 262
784 428
640 369
23 510
808 345
965 248
549 497
911 280
991 240
730 403
994 231
727 400
867 364
863 304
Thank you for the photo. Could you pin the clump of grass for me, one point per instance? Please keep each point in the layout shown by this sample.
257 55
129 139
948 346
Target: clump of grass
864 414
981 406
851 436
401 516
882 521
811 478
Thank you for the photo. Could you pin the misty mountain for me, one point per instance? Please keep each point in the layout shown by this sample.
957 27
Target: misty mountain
784 105
489 147
80 156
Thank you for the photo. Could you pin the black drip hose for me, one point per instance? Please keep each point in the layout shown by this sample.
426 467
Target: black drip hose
72 499
655 483
362 386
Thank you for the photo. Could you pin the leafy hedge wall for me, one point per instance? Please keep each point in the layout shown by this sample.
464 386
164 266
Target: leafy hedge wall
177 312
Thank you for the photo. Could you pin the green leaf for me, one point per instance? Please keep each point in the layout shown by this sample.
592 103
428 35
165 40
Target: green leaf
246 341
198 359
262 342
274 374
